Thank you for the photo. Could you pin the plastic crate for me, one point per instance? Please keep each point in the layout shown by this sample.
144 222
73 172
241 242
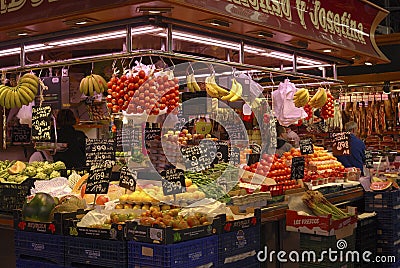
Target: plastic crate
319 243
386 217
389 235
45 247
366 234
89 252
28 263
239 248
381 200
188 254
12 196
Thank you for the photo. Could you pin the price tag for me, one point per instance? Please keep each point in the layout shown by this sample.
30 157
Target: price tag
152 134
41 123
234 155
99 151
21 134
222 152
341 143
369 162
306 146
173 181
378 97
199 157
297 171
255 148
98 181
125 138
127 179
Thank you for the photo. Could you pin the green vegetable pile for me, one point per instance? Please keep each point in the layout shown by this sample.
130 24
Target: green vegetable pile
18 171
216 181
320 206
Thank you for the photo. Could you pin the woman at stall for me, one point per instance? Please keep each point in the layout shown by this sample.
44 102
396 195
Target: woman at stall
282 145
74 156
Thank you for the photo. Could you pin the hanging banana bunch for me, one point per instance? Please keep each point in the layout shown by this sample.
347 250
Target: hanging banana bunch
91 84
22 94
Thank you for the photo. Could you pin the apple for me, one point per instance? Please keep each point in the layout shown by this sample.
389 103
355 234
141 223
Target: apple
102 199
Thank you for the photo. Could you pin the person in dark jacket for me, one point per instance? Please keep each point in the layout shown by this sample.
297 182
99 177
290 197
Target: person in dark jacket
74 156
356 158
282 145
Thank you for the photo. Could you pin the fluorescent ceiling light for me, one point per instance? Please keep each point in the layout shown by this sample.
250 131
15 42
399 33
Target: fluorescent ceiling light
10 51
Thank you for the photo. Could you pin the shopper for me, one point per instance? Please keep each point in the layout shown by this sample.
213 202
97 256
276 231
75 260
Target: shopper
281 141
74 156
292 136
356 158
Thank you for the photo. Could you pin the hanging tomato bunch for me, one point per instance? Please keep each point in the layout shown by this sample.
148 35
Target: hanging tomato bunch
158 94
327 111
122 89
309 111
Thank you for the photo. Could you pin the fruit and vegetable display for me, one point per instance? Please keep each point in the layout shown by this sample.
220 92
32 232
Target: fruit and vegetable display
320 206
92 84
18 171
22 94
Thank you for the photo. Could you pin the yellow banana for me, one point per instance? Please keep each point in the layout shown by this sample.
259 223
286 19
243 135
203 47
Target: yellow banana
26 91
3 96
90 86
221 91
96 85
17 99
238 92
84 86
209 88
319 98
31 87
102 82
31 76
195 84
8 99
23 96
190 83
231 92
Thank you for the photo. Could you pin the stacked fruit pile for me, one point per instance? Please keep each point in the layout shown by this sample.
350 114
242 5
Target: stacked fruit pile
321 160
122 89
91 84
157 94
22 94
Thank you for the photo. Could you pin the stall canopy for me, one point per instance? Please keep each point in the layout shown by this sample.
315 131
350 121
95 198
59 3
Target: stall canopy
342 31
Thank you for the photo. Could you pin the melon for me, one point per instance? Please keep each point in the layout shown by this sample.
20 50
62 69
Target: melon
380 185
17 168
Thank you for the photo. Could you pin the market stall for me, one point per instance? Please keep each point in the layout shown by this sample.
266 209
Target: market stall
180 115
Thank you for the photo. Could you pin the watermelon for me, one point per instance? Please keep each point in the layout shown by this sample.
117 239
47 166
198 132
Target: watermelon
380 185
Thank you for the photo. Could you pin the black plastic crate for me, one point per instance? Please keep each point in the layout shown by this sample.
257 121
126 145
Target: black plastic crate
388 217
239 248
42 247
389 235
366 234
89 252
29 263
319 243
13 196
382 200
187 254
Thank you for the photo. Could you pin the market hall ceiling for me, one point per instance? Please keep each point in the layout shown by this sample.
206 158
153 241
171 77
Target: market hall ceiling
282 24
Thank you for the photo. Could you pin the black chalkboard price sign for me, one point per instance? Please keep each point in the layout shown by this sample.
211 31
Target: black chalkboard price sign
173 181
124 139
234 155
152 134
99 151
98 181
255 148
198 157
306 146
369 162
297 168
41 123
341 143
21 134
127 179
222 152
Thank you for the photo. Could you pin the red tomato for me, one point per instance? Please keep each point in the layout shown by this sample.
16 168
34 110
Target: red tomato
120 101
131 86
142 74
115 109
114 79
176 99
114 87
131 93
162 106
156 111
172 102
109 105
136 86
135 79
109 84
123 78
109 91
114 95
140 82
163 99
